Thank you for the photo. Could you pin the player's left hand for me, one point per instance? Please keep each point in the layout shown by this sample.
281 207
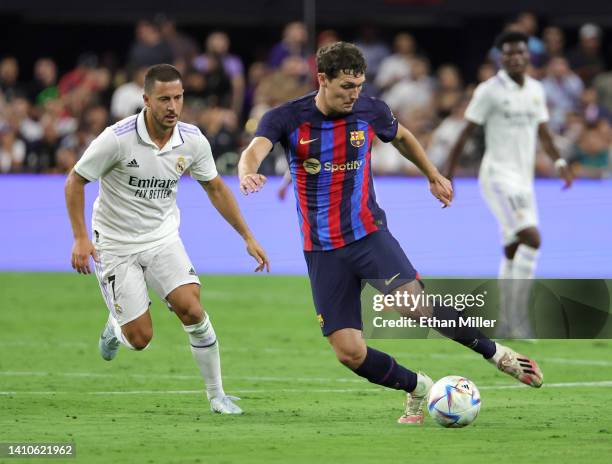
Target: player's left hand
441 188
566 174
257 252
251 183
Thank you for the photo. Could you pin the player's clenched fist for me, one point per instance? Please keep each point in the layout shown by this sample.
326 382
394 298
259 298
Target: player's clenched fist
251 183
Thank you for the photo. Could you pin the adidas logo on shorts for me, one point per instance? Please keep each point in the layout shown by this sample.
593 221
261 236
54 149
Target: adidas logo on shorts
133 164
192 271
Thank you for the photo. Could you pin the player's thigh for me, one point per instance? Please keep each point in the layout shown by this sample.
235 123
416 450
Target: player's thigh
381 262
514 207
123 286
169 268
336 291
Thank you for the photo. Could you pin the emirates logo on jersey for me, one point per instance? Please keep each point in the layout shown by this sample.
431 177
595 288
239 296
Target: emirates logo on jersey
180 165
357 138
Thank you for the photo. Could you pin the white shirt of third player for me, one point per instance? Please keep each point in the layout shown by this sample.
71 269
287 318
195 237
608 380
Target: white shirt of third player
510 114
136 205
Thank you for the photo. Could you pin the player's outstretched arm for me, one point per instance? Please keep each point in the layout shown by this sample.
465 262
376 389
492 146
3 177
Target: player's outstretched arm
457 150
560 164
250 160
223 200
411 149
75 203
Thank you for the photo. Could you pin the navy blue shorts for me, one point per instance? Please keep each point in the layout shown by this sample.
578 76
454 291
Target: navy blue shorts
336 277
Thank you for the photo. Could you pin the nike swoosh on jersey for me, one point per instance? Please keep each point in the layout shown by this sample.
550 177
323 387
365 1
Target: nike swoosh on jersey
388 281
306 142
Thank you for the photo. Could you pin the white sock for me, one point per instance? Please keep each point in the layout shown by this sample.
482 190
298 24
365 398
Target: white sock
523 270
205 349
505 296
118 333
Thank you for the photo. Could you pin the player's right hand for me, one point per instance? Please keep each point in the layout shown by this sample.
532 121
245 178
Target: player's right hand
251 183
81 251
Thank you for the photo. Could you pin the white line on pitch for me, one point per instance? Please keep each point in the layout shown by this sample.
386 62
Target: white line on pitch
602 383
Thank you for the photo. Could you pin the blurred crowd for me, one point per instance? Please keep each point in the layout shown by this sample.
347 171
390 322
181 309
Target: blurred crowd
47 123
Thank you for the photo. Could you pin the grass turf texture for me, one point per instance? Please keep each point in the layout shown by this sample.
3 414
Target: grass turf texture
300 403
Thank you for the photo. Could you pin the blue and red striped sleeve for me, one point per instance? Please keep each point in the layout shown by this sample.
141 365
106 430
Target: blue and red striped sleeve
383 121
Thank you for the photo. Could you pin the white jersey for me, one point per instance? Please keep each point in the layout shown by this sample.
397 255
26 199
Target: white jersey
510 114
136 205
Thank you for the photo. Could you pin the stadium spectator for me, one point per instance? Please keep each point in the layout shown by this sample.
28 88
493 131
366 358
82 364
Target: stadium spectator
585 58
289 82
563 89
374 51
325 37
127 98
86 84
590 109
257 72
184 48
554 41
293 43
603 85
12 151
444 137
414 93
448 90
591 157
149 47
20 120
485 71
44 84
9 74
42 155
396 67
217 51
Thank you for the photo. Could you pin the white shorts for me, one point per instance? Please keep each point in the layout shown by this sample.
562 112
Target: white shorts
124 279
513 206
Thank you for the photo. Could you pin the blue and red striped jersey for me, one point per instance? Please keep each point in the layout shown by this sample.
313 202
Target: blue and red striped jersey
329 159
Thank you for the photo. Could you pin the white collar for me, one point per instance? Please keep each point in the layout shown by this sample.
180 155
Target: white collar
143 134
508 81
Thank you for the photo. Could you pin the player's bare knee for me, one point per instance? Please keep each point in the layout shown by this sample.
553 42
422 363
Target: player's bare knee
190 314
351 356
140 339
530 237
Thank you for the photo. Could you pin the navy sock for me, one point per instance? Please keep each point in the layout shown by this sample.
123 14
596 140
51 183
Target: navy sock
382 369
467 336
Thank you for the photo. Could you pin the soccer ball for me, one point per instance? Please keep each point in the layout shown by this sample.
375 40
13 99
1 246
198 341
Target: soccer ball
454 401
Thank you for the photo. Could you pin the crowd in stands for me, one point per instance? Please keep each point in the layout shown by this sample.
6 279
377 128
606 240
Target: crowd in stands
47 123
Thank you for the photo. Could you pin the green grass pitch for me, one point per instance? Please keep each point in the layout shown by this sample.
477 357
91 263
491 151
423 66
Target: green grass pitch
300 404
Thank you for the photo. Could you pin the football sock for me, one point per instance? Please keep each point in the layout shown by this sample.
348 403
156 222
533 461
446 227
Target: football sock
119 334
382 369
205 350
523 271
505 285
467 336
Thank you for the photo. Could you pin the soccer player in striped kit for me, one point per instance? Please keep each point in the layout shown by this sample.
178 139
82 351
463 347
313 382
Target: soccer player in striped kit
328 137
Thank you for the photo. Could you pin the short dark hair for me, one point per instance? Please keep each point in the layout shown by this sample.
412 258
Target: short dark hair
161 73
510 37
340 57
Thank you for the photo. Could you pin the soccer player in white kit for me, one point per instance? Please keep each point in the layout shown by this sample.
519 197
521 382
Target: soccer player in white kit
512 108
135 222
